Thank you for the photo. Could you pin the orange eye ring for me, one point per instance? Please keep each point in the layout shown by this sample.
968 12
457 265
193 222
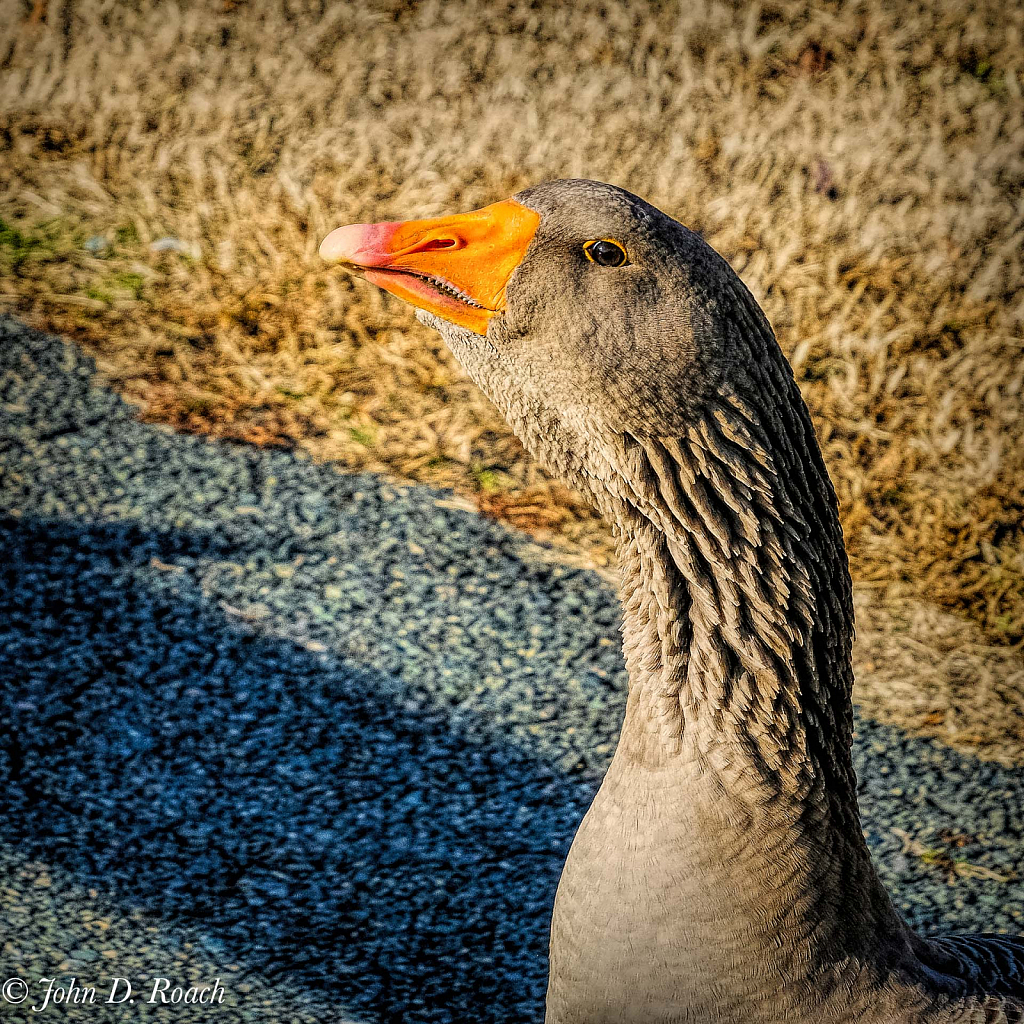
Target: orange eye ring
606 252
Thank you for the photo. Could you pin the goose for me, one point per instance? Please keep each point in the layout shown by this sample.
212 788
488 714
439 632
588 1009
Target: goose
721 873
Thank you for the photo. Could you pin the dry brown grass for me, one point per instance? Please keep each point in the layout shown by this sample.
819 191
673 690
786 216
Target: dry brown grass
933 673
860 164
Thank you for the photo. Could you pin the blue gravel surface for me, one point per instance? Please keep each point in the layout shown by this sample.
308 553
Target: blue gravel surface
344 726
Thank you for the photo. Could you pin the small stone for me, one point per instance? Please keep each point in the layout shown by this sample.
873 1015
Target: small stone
170 244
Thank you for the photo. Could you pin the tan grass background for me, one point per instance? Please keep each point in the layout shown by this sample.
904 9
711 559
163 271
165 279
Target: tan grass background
860 164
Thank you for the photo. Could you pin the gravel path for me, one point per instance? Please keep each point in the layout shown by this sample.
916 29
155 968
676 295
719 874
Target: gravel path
332 729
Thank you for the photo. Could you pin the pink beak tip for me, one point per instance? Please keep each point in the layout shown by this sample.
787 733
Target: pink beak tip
343 242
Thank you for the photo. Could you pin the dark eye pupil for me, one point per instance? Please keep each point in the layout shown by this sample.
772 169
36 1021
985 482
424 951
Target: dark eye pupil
607 254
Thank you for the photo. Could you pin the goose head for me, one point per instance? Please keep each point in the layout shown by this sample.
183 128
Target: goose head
584 313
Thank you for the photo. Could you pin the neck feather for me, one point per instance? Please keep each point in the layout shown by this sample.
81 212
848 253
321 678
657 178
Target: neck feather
737 591
738 626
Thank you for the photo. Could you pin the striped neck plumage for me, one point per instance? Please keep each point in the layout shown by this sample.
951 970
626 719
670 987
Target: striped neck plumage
738 612
738 627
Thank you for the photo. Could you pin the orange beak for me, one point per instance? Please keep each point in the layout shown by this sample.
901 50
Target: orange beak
455 267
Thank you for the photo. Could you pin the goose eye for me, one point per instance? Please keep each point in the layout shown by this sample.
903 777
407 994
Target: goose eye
606 253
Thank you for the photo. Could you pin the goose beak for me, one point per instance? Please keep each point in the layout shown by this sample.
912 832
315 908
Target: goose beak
454 267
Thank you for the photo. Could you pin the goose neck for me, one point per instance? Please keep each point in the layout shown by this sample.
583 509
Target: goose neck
738 627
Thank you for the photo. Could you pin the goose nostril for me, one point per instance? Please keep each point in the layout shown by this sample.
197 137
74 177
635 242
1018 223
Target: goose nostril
438 243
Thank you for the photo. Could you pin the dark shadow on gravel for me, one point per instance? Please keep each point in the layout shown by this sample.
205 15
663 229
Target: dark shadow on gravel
318 822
